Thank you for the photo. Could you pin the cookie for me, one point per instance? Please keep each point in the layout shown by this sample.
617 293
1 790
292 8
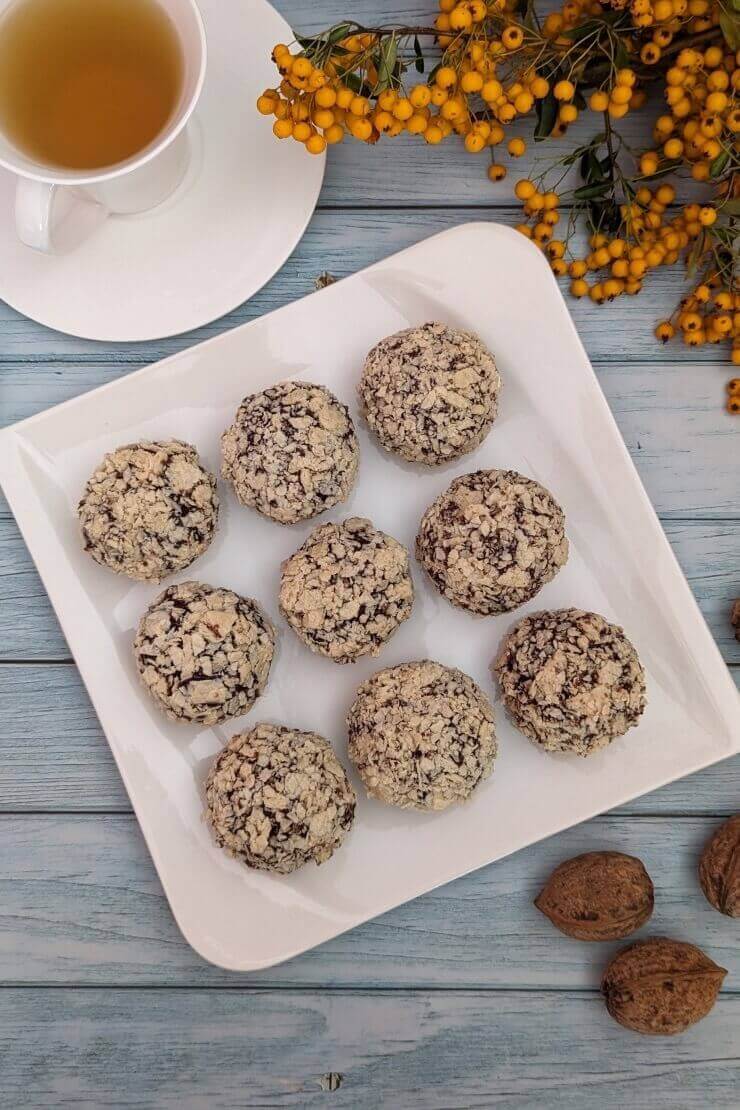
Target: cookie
430 394
149 510
291 452
278 798
492 540
421 735
347 589
204 653
571 681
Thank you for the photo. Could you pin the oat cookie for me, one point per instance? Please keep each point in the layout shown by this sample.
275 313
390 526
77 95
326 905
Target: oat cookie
571 681
203 652
149 510
291 452
278 798
421 735
347 589
492 540
430 394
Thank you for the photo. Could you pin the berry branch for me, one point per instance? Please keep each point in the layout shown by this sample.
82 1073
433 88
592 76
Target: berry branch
484 65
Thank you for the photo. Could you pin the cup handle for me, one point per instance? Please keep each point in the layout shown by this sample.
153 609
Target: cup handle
42 209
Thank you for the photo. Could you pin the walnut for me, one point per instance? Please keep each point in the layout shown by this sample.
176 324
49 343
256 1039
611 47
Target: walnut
598 896
661 986
719 869
735 617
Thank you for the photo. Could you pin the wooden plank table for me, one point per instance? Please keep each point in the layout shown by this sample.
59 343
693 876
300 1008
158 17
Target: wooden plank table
465 997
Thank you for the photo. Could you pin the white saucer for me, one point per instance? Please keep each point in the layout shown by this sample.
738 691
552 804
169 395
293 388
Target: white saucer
240 211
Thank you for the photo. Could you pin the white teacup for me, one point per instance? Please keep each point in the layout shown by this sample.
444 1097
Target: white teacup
48 197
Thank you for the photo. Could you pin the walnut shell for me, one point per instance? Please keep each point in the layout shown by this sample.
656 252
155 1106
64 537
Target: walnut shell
661 986
719 869
598 896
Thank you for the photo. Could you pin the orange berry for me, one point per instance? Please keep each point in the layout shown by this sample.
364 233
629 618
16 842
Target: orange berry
564 90
323 118
359 106
316 144
417 125
512 37
420 96
471 82
445 77
474 144
403 109
525 189
301 68
334 134
326 97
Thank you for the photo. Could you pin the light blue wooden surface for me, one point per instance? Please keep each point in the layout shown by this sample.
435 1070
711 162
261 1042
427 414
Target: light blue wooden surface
464 998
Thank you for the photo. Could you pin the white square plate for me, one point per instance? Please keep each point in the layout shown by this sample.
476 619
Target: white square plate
554 425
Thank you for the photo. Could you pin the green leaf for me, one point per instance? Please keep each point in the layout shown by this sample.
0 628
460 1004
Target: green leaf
692 262
529 15
387 57
730 24
595 74
605 165
719 163
418 54
578 33
590 192
591 168
621 57
605 215
732 208
352 81
547 114
341 31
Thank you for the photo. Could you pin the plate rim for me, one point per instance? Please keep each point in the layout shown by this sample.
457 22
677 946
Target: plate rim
12 436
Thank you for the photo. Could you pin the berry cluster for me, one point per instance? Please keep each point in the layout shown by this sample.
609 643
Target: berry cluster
703 117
